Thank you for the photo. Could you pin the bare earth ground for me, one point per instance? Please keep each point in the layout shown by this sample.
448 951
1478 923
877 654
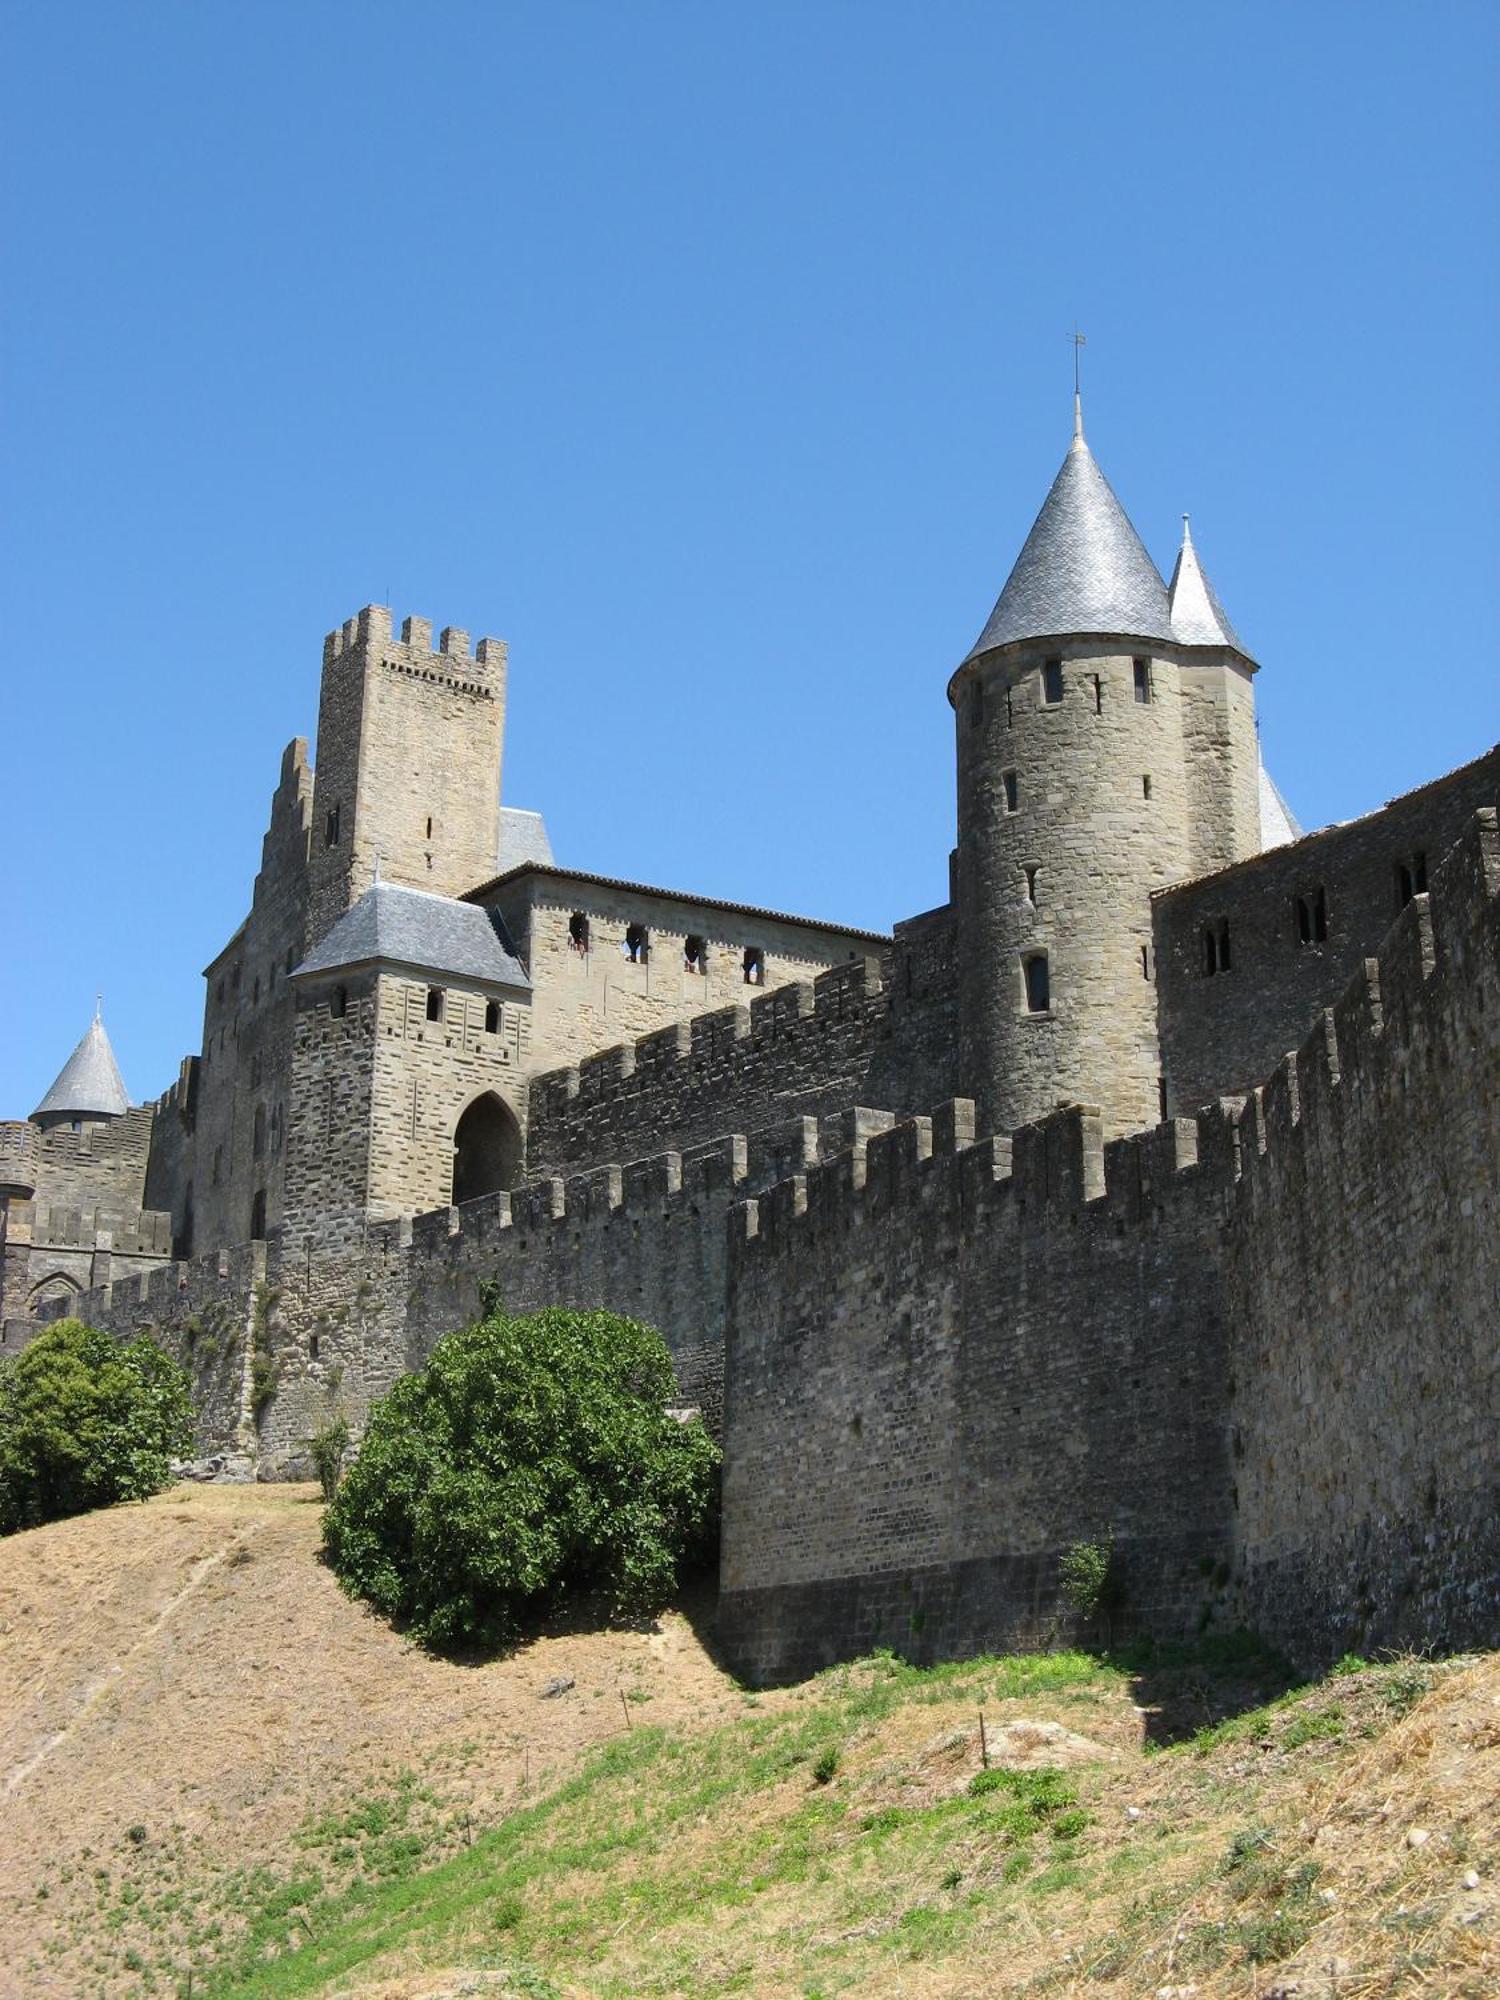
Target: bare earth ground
196 1729
189 1664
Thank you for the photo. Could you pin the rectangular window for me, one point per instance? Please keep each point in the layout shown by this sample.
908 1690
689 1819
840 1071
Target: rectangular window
1012 790
1411 879
1052 682
492 1017
1216 957
331 827
434 1003
1038 983
1312 917
1141 674
1145 784
754 965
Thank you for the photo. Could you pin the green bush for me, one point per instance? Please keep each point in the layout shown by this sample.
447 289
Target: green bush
326 1449
86 1420
533 1460
1083 1575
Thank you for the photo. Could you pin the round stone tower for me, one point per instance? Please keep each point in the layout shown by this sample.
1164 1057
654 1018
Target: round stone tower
1073 805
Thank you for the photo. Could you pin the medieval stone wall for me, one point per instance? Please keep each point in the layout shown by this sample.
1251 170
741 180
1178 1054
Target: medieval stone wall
1362 1273
800 1051
1224 1031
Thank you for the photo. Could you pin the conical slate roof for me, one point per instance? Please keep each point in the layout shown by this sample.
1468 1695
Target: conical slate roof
1198 618
1083 567
89 1084
394 925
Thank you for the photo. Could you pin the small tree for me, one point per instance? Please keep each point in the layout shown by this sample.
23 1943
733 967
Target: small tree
534 1459
327 1448
1083 1575
86 1420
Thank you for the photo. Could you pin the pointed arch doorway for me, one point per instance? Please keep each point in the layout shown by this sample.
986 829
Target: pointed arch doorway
488 1154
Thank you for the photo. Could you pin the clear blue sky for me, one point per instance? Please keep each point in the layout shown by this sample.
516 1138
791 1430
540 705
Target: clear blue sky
717 359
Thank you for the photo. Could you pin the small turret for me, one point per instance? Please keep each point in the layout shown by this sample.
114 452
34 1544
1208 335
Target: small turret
1219 734
89 1087
1072 808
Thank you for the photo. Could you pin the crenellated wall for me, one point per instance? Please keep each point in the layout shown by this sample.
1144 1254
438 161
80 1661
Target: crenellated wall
1260 1347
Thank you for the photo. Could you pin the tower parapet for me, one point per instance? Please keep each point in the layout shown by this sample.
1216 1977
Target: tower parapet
408 762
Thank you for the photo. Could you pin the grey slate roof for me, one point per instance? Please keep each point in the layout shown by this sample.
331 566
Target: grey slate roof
523 837
1277 826
1198 618
1083 567
392 925
89 1083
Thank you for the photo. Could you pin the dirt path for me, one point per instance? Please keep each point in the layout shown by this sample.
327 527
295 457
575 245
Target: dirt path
188 1669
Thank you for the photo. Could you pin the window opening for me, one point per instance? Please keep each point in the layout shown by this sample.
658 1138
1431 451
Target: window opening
429 826
637 945
1052 682
338 1002
1038 984
434 1003
1141 674
1145 784
1030 872
1411 879
258 1142
1145 961
258 1217
1012 790
1098 694
578 931
976 703
1216 956
1312 917
492 1017
487 1150
1010 714
755 966
694 955
255 997
331 827
312 1347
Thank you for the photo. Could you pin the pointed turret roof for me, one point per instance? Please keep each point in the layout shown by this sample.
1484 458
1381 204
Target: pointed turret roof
1198 618
1083 567
89 1084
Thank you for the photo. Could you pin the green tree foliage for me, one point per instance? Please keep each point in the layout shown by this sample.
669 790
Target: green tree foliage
86 1420
532 1461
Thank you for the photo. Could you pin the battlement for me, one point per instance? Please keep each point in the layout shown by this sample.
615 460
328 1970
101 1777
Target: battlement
1059 1172
452 662
19 1144
671 1057
56 1226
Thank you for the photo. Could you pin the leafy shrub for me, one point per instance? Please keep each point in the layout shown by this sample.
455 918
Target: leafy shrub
326 1449
1083 1575
532 1460
826 1766
86 1420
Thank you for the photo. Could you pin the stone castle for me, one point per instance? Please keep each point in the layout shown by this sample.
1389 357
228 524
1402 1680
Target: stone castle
1146 1189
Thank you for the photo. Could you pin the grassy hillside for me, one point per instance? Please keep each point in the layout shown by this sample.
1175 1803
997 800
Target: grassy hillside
396 1826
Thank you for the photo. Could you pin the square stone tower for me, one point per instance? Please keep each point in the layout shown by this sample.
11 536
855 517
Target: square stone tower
408 762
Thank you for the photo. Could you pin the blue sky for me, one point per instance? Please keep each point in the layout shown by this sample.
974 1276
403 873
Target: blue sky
716 358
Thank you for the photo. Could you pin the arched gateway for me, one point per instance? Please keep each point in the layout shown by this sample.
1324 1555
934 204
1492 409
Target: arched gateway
487 1149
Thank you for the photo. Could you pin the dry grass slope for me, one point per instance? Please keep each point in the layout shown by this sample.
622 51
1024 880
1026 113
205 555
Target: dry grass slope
219 1777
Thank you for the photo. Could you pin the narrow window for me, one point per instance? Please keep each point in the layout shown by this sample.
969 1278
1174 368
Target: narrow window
1012 790
1419 872
1312 917
1161 1097
258 1142
694 955
1098 695
976 703
258 1217
492 1017
637 945
1319 917
1052 682
1141 675
1145 961
1145 784
312 1347
754 965
434 1003
1038 984
1411 879
255 997
291 956
429 826
578 931
276 1128
338 1002
331 828
1214 958
1010 714
1030 871
1223 947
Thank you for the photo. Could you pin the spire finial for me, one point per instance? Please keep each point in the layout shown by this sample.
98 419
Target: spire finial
1080 341
99 1006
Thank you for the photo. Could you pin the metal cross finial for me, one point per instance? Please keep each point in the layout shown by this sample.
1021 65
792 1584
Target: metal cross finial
99 1006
